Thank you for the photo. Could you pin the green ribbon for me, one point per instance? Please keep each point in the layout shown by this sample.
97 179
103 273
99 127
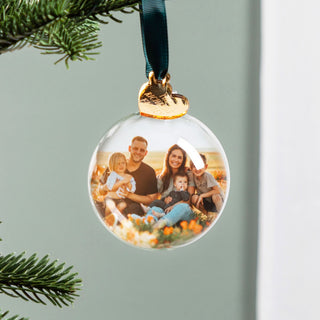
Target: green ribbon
153 23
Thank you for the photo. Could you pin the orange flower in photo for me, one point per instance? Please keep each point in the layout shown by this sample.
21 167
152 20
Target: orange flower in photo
184 225
138 222
197 228
154 241
167 231
110 220
192 224
130 217
150 219
94 194
144 220
130 236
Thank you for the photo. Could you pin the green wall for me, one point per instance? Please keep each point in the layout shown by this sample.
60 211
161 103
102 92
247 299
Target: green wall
51 120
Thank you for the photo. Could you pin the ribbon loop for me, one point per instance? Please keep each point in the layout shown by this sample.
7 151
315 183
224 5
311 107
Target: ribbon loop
153 23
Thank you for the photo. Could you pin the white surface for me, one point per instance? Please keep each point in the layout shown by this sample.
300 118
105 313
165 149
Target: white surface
289 263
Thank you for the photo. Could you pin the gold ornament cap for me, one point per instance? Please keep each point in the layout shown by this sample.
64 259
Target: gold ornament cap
156 99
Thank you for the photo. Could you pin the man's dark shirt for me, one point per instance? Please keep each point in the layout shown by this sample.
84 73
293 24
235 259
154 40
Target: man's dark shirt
146 183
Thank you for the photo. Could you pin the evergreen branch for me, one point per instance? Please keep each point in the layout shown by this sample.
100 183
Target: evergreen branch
73 40
67 27
34 279
3 314
21 19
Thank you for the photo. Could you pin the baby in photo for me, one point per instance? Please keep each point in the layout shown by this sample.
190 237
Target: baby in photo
158 208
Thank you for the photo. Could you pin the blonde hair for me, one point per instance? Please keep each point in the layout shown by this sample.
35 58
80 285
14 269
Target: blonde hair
114 158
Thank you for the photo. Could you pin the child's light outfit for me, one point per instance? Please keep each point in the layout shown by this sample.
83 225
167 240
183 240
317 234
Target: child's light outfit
204 184
114 178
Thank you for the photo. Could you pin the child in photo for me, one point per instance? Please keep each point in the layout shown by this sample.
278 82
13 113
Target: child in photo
119 179
158 208
208 194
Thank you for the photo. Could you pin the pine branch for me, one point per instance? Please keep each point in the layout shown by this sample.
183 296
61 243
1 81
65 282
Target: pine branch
67 27
73 40
34 280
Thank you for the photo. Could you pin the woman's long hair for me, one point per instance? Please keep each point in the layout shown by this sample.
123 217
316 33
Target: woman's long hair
167 173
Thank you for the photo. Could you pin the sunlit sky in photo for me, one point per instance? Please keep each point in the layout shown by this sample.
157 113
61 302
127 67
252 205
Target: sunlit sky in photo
160 134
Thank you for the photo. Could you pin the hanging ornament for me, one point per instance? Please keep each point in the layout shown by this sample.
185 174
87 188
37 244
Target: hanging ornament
158 178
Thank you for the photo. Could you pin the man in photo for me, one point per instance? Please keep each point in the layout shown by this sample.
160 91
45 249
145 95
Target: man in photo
145 177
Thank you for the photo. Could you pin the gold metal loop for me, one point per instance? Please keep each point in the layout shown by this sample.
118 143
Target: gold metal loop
153 80
156 99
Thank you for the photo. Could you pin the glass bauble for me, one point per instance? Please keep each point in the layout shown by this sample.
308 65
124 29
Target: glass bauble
159 183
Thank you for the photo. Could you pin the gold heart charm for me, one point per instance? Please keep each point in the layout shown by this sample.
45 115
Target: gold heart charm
156 99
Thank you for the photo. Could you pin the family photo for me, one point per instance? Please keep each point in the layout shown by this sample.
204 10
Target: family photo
158 199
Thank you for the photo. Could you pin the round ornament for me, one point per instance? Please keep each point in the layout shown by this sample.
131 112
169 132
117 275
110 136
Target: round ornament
158 183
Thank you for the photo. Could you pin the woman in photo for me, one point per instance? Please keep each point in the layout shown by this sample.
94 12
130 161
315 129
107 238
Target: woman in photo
174 163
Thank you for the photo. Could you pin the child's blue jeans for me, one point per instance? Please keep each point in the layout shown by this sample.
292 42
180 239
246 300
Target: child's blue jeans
180 212
149 213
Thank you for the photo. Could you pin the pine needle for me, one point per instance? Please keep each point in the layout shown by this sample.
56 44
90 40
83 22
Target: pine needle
4 314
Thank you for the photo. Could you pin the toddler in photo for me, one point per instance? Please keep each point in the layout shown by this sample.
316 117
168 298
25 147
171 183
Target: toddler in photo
118 179
158 208
208 194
